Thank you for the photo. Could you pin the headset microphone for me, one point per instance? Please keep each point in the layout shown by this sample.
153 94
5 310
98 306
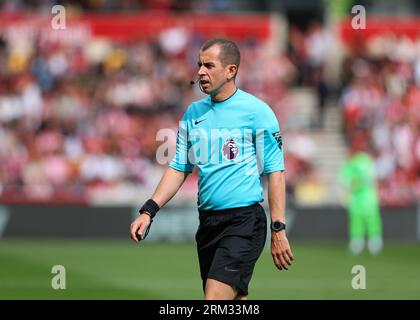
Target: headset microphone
192 82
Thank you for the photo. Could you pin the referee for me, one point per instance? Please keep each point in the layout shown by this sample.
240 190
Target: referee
233 138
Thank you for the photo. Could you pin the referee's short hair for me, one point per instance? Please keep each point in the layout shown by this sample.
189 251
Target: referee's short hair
229 51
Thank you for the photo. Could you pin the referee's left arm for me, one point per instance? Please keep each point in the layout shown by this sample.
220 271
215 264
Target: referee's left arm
270 157
280 247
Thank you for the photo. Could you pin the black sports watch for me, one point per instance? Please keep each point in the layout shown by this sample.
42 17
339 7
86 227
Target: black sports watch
277 226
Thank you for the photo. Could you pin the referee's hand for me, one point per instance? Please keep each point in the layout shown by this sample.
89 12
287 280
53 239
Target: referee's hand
280 250
139 226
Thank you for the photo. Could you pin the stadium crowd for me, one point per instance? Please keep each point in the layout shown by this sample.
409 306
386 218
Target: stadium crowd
381 111
80 121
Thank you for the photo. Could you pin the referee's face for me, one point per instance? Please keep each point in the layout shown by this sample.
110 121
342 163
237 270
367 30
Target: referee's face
213 74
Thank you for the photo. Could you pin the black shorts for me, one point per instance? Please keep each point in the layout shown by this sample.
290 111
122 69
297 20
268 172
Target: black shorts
229 242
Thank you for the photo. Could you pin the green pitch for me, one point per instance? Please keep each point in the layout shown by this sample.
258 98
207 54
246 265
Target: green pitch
124 270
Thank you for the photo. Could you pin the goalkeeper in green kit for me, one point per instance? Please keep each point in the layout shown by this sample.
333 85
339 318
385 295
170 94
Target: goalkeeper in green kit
357 174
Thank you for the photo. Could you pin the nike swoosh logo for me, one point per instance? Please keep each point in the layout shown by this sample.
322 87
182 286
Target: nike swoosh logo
232 270
198 121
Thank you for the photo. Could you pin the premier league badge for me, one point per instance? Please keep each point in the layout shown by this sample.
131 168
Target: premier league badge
230 149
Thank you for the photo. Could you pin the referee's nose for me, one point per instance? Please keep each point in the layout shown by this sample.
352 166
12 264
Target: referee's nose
201 71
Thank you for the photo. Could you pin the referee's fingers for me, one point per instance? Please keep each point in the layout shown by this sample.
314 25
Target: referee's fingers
287 259
140 232
133 231
290 254
283 262
277 262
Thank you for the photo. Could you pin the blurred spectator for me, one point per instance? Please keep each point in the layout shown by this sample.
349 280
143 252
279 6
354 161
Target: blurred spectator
302 179
307 49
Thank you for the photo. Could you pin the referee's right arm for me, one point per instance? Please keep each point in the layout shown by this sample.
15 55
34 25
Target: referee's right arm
172 180
168 186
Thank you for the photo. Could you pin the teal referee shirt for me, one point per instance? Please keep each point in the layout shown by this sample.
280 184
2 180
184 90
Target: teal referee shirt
232 143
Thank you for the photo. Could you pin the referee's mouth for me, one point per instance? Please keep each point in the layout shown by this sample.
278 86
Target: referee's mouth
204 83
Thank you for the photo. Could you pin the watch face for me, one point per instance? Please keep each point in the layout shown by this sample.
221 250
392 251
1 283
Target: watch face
277 226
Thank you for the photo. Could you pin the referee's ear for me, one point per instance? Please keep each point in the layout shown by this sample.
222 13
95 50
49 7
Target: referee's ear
232 71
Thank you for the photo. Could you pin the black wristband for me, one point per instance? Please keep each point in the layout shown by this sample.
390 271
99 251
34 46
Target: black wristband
151 207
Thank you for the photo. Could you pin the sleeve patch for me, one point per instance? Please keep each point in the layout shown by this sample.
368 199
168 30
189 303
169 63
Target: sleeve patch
277 136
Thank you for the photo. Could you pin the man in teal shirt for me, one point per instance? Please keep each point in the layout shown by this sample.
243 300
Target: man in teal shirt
357 174
233 138
226 138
